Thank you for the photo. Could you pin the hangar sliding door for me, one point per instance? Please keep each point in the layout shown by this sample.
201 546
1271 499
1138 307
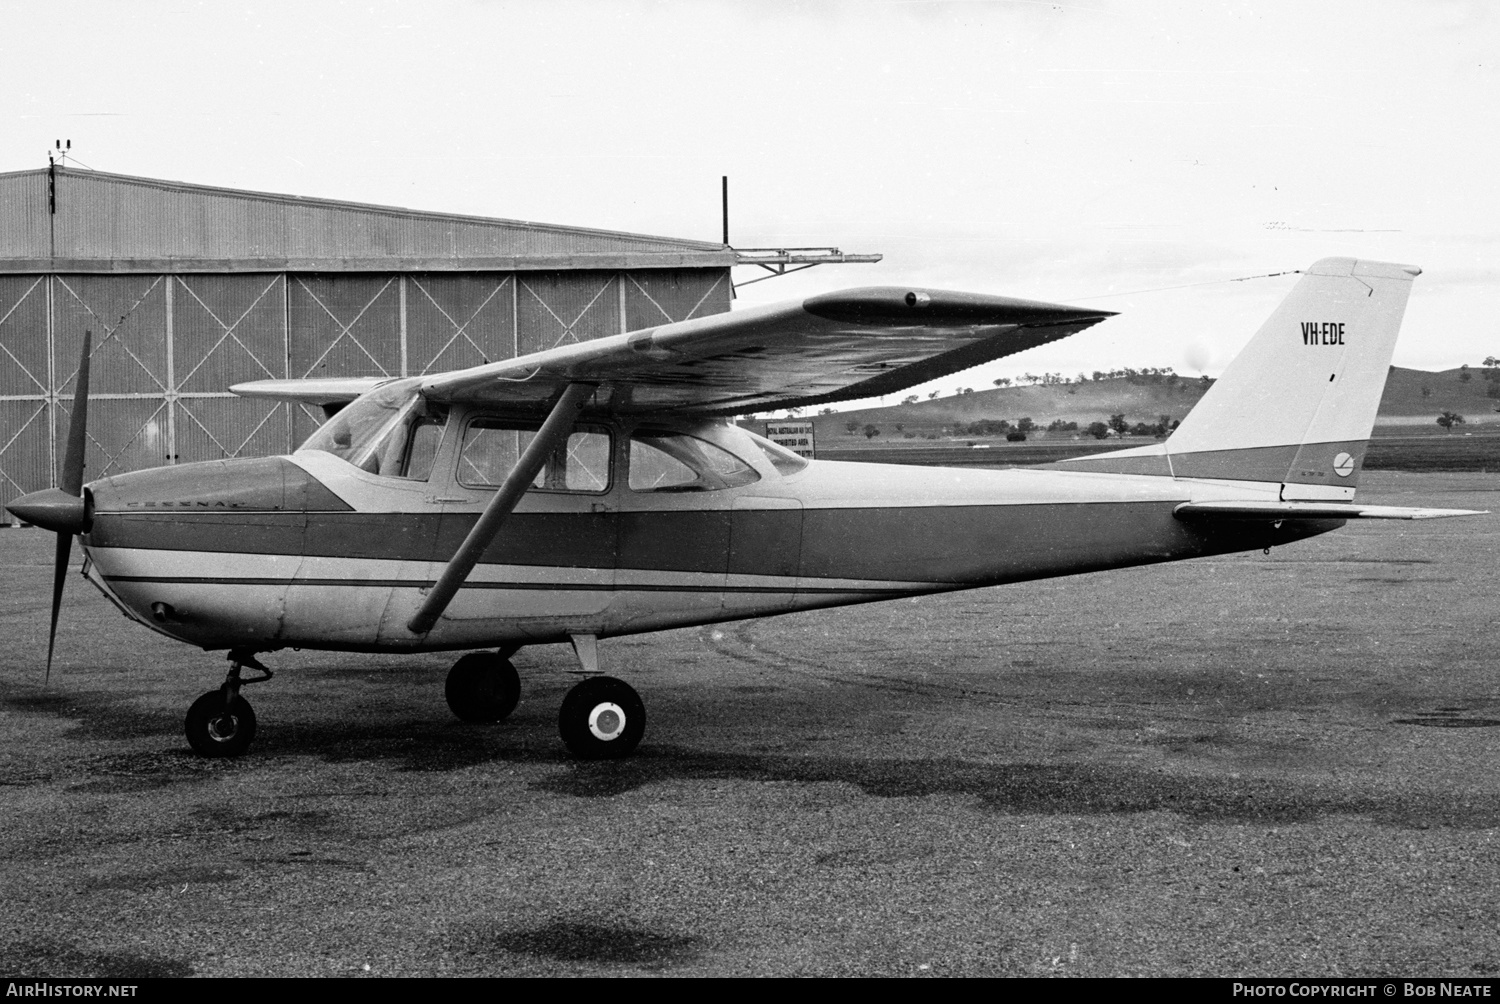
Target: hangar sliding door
341 324
128 374
227 329
663 295
25 382
455 320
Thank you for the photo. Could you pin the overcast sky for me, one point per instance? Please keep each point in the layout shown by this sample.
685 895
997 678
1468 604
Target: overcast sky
1056 151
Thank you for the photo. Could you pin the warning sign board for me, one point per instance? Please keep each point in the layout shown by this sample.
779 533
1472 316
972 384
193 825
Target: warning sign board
795 436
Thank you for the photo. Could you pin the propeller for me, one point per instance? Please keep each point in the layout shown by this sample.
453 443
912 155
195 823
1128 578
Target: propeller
66 509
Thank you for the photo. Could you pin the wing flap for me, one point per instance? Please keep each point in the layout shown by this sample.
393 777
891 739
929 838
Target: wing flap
1310 510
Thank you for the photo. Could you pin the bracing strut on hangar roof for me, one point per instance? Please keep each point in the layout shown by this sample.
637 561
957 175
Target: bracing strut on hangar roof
776 260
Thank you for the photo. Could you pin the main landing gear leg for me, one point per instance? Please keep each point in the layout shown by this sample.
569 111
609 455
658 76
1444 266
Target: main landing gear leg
221 723
601 718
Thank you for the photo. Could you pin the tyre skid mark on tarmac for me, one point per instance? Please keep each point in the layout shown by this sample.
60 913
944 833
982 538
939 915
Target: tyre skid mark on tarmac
757 654
1072 711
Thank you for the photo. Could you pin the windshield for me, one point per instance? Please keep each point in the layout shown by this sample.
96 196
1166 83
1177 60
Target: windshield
373 433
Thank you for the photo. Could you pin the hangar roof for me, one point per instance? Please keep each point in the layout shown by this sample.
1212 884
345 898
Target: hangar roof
68 220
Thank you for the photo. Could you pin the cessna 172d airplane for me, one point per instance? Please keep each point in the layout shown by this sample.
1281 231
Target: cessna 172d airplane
598 489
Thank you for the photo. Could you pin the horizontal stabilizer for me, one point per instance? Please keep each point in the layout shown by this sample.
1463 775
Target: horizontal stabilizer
1310 510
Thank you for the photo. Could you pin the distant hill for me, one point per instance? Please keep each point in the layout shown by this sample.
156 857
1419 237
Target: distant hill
1139 400
1412 397
1416 397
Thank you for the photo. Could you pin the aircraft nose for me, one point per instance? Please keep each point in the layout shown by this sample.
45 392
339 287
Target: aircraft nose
54 509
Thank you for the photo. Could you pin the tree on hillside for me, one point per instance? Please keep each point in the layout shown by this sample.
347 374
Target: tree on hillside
1449 419
1118 423
909 399
826 411
1003 382
852 427
933 395
1024 425
871 431
1098 430
1464 375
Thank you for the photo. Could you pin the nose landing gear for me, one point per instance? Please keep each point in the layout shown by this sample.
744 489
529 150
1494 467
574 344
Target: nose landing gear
221 722
601 718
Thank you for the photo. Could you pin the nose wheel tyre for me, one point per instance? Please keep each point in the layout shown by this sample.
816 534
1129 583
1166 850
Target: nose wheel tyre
217 729
601 719
482 687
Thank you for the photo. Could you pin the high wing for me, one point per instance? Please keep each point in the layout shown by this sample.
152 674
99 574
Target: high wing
831 347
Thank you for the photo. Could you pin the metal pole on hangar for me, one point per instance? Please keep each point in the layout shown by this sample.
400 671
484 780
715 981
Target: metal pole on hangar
189 289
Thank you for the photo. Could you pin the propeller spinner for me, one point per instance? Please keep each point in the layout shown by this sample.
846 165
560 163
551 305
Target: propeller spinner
67 509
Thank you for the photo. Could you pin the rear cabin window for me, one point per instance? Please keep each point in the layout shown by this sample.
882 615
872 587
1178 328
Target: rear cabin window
492 447
781 458
673 462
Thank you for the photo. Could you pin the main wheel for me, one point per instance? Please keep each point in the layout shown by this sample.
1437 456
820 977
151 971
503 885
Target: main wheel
482 687
214 729
601 718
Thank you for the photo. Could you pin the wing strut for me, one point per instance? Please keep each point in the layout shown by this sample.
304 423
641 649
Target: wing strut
553 432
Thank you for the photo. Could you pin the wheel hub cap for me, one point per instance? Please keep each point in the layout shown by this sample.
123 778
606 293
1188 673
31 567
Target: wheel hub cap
223 728
607 721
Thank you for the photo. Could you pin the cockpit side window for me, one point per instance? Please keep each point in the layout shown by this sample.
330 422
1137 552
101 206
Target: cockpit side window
492 446
422 447
674 462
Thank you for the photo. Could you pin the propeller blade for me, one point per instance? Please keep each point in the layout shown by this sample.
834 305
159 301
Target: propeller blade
59 576
72 484
72 471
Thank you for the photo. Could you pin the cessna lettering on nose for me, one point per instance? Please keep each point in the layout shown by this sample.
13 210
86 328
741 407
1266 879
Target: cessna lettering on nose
1326 333
598 489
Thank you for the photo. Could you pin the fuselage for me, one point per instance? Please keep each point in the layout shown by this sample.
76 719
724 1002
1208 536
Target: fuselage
313 551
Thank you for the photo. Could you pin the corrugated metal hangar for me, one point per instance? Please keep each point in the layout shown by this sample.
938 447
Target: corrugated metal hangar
189 289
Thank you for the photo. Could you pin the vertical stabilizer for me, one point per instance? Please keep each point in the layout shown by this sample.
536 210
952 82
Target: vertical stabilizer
1297 405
